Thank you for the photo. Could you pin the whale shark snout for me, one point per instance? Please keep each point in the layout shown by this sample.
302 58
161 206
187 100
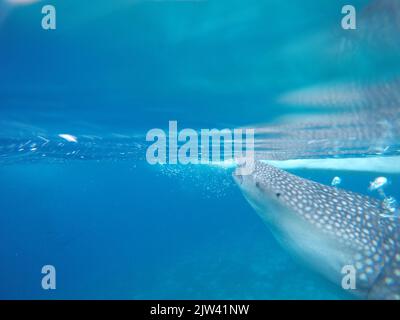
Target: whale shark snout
328 228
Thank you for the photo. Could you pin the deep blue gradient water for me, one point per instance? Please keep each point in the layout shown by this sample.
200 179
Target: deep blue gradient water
116 227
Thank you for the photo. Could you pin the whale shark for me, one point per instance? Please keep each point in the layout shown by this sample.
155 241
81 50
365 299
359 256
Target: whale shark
328 228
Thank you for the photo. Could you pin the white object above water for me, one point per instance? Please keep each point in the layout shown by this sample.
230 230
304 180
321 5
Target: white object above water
336 181
68 137
378 183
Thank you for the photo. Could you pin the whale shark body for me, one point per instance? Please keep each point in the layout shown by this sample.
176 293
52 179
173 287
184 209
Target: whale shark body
329 228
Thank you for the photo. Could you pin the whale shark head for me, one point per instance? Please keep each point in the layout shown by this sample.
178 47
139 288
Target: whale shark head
268 191
328 228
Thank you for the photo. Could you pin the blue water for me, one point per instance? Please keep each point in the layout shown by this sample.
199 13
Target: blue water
116 227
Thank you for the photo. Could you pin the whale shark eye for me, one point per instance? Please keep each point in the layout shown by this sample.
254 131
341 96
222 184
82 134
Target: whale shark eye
278 195
257 184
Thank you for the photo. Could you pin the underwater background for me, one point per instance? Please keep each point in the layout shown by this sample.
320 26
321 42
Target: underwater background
116 227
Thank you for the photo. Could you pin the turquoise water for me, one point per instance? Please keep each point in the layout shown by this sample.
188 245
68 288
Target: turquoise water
116 227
